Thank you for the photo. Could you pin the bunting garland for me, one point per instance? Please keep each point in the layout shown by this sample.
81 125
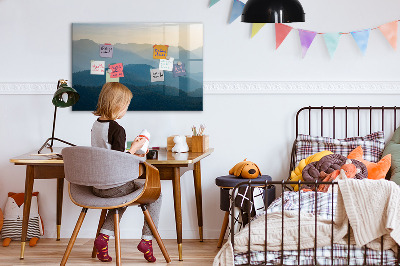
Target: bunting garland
281 31
306 39
389 30
256 27
237 9
332 41
361 37
213 2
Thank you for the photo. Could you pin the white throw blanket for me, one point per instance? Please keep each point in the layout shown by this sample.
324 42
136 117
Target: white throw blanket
371 206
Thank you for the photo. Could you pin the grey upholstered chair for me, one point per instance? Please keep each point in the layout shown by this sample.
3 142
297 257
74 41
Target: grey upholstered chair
85 167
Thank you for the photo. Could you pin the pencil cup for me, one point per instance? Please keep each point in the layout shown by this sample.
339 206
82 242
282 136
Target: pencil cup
200 143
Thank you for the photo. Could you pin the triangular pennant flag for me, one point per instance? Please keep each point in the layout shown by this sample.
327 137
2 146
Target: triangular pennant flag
281 31
256 27
361 37
306 39
213 2
390 32
237 9
332 41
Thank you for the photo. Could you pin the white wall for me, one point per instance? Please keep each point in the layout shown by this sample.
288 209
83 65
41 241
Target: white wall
35 47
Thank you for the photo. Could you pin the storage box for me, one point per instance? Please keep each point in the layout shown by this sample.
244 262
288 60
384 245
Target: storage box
171 143
200 143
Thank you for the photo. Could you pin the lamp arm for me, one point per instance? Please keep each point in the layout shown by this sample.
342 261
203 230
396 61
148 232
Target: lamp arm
54 126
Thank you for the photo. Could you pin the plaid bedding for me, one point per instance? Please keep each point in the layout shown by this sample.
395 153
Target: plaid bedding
372 145
323 207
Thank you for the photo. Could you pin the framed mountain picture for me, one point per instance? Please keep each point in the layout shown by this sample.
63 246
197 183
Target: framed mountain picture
161 63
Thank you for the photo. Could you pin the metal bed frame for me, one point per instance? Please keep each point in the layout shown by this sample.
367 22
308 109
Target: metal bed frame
284 184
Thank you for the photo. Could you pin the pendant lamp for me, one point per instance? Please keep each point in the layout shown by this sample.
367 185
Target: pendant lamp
273 11
63 97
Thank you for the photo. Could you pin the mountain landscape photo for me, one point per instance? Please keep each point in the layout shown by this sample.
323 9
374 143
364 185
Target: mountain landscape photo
182 93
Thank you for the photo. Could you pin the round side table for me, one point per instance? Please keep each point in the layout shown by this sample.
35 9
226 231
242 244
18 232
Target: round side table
228 182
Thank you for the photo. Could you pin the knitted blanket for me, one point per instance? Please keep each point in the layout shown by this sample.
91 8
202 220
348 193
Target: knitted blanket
371 207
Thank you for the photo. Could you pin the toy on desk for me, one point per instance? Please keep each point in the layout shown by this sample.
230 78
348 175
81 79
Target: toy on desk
180 144
144 134
245 169
13 215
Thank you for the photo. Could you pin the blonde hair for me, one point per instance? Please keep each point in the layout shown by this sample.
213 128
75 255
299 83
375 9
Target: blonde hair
112 99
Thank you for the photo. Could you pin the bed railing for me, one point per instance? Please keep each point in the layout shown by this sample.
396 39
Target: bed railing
265 185
331 119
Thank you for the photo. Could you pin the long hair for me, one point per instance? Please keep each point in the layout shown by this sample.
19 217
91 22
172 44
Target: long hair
112 99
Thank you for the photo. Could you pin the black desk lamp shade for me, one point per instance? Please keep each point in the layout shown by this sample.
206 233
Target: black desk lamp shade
63 97
273 11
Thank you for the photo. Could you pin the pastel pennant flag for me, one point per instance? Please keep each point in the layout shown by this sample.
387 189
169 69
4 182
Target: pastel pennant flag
389 30
361 37
256 27
306 39
281 31
237 9
332 41
213 2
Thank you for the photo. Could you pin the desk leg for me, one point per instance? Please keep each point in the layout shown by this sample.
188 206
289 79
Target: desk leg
176 182
27 206
60 190
199 204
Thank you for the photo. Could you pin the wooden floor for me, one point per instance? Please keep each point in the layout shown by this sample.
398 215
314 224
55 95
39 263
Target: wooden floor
50 252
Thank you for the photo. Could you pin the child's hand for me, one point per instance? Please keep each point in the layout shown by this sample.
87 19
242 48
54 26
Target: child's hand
137 144
143 155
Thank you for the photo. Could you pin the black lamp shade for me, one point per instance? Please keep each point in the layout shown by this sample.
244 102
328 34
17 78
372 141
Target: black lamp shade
65 96
273 11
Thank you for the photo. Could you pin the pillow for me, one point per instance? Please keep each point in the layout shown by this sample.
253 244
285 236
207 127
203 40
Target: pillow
393 148
296 174
372 144
375 170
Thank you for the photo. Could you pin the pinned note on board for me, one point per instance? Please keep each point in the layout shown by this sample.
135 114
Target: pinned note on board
97 67
156 75
160 51
179 70
110 79
106 50
166 64
117 70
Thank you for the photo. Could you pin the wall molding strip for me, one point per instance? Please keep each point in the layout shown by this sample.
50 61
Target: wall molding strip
246 87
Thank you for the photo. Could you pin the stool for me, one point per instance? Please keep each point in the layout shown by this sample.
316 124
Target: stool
226 183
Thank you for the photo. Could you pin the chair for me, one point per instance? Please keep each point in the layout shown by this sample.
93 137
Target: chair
85 167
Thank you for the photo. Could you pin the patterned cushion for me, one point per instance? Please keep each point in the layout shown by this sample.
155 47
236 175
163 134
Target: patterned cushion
372 144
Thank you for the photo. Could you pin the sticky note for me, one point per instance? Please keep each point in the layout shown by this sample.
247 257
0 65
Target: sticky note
160 51
106 50
117 70
156 75
109 79
179 70
97 67
166 64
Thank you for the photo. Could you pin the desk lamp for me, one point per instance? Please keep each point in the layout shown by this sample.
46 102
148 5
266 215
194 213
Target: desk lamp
63 97
273 11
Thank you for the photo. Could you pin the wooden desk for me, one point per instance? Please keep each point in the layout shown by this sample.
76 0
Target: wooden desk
171 167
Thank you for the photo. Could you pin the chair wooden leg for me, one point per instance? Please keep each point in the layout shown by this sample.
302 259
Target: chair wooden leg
101 222
223 229
154 230
73 237
117 238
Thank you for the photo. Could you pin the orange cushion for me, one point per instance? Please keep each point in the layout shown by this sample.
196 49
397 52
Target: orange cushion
375 170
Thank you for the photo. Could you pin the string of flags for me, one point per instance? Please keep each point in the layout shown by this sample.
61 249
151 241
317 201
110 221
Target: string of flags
361 37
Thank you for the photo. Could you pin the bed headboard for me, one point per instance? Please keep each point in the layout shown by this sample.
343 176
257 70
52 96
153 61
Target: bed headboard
344 121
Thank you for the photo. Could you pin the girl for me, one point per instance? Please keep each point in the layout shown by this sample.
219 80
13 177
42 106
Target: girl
113 103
